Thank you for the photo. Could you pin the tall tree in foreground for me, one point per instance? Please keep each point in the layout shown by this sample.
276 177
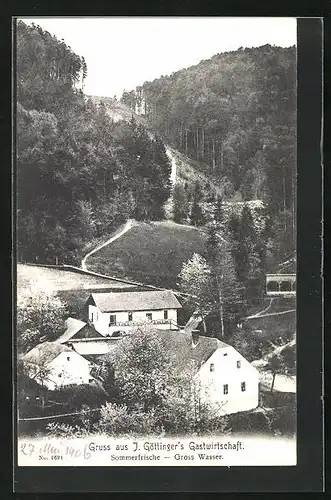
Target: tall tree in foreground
156 389
142 370
275 365
195 280
40 315
228 292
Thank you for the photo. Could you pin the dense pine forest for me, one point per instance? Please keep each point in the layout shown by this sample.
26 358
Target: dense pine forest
235 113
79 175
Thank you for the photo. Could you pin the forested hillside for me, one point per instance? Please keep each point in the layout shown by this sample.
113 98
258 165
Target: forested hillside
79 174
236 113
82 171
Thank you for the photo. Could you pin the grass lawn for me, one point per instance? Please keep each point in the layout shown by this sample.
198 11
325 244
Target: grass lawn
60 279
152 253
274 326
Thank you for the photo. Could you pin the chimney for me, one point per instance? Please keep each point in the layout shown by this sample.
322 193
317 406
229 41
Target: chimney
195 338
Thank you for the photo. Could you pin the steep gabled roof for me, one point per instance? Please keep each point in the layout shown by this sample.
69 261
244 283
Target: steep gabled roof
45 353
77 329
183 351
136 301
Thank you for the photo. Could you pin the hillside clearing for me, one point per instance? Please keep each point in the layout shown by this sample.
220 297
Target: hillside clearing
60 279
152 253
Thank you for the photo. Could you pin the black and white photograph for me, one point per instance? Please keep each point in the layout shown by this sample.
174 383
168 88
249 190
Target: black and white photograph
156 230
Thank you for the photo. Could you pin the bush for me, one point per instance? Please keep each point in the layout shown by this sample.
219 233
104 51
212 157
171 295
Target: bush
75 397
210 424
118 420
56 429
176 416
284 421
249 345
254 422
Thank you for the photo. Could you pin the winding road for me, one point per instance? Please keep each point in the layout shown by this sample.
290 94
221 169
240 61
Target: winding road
172 159
127 226
260 313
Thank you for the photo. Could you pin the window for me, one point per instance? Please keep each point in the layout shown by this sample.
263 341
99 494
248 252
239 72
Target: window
130 316
149 316
212 367
272 286
112 319
60 375
225 354
68 358
285 286
92 317
243 386
225 389
238 364
165 314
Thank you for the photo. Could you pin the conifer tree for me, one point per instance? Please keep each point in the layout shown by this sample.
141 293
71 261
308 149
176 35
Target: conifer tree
196 281
248 251
180 207
196 215
218 211
228 292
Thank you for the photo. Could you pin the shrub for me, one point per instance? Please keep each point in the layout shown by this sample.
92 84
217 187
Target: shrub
76 396
118 420
283 421
59 429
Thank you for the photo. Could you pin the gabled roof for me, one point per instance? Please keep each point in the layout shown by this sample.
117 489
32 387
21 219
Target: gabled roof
136 301
73 326
183 351
45 353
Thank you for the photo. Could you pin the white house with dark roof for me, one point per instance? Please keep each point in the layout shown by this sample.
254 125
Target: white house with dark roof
84 339
222 378
54 365
227 381
122 311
